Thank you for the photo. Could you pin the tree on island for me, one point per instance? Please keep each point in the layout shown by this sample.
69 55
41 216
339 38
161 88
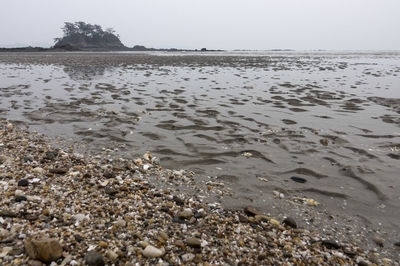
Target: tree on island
83 35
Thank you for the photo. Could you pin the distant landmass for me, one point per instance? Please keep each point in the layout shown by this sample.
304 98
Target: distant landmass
84 36
81 36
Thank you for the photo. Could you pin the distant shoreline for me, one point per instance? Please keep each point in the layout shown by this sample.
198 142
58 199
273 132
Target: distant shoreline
99 49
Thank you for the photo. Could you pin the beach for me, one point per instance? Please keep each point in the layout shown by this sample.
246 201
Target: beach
58 205
211 158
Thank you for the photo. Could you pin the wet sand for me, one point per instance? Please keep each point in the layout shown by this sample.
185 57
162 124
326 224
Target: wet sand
311 125
67 208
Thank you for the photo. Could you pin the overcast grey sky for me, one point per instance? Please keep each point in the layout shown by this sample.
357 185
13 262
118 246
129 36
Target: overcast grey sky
217 24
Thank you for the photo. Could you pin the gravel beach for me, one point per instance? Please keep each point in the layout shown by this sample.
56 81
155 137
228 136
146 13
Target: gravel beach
61 207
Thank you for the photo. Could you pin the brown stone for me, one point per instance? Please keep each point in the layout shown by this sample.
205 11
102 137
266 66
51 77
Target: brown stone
44 249
250 211
193 242
59 171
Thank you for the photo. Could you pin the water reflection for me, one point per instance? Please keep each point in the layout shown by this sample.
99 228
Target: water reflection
88 72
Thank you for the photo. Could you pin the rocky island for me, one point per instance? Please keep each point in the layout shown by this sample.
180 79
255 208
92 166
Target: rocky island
85 36
82 36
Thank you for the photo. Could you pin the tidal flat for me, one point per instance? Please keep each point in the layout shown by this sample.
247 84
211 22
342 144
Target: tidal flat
314 136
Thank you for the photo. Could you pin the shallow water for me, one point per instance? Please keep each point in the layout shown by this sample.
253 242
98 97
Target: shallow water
331 118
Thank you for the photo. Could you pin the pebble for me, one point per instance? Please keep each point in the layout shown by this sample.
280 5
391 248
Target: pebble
23 183
35 263
163 236
8 213
112 255
362 262
38 170
20 198
43 249
109 174
378 241
152 252
180 244
80 217
111 191
185 214
250 211
274 222
103 244
298 179
331 244
50 155
94 258
188 257
243 219
58 171
178 200
121 223
178 220
193 242
324 141
18 193
290 222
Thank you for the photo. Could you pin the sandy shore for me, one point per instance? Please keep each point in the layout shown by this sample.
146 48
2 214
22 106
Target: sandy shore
71 209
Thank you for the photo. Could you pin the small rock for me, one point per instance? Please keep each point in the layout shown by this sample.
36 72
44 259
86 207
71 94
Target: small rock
330 244
274 222
324 141
67 261
94 258
179 201
199 214
298 179
112 255
193 242
185 214
23 183
35 263
2 159
180 244
362 262
276 141
250 211
188 257
290 222
120 222
109 174
44 249
38 170
152 252
79 217
50 155
261 218
378 241
103 244
28 159
243 219
8 213
59 171
16 251
18 192
5 251
110 191
20 198
163 236
178 220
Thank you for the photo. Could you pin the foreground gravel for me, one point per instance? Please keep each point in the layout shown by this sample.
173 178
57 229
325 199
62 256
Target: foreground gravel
60 207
